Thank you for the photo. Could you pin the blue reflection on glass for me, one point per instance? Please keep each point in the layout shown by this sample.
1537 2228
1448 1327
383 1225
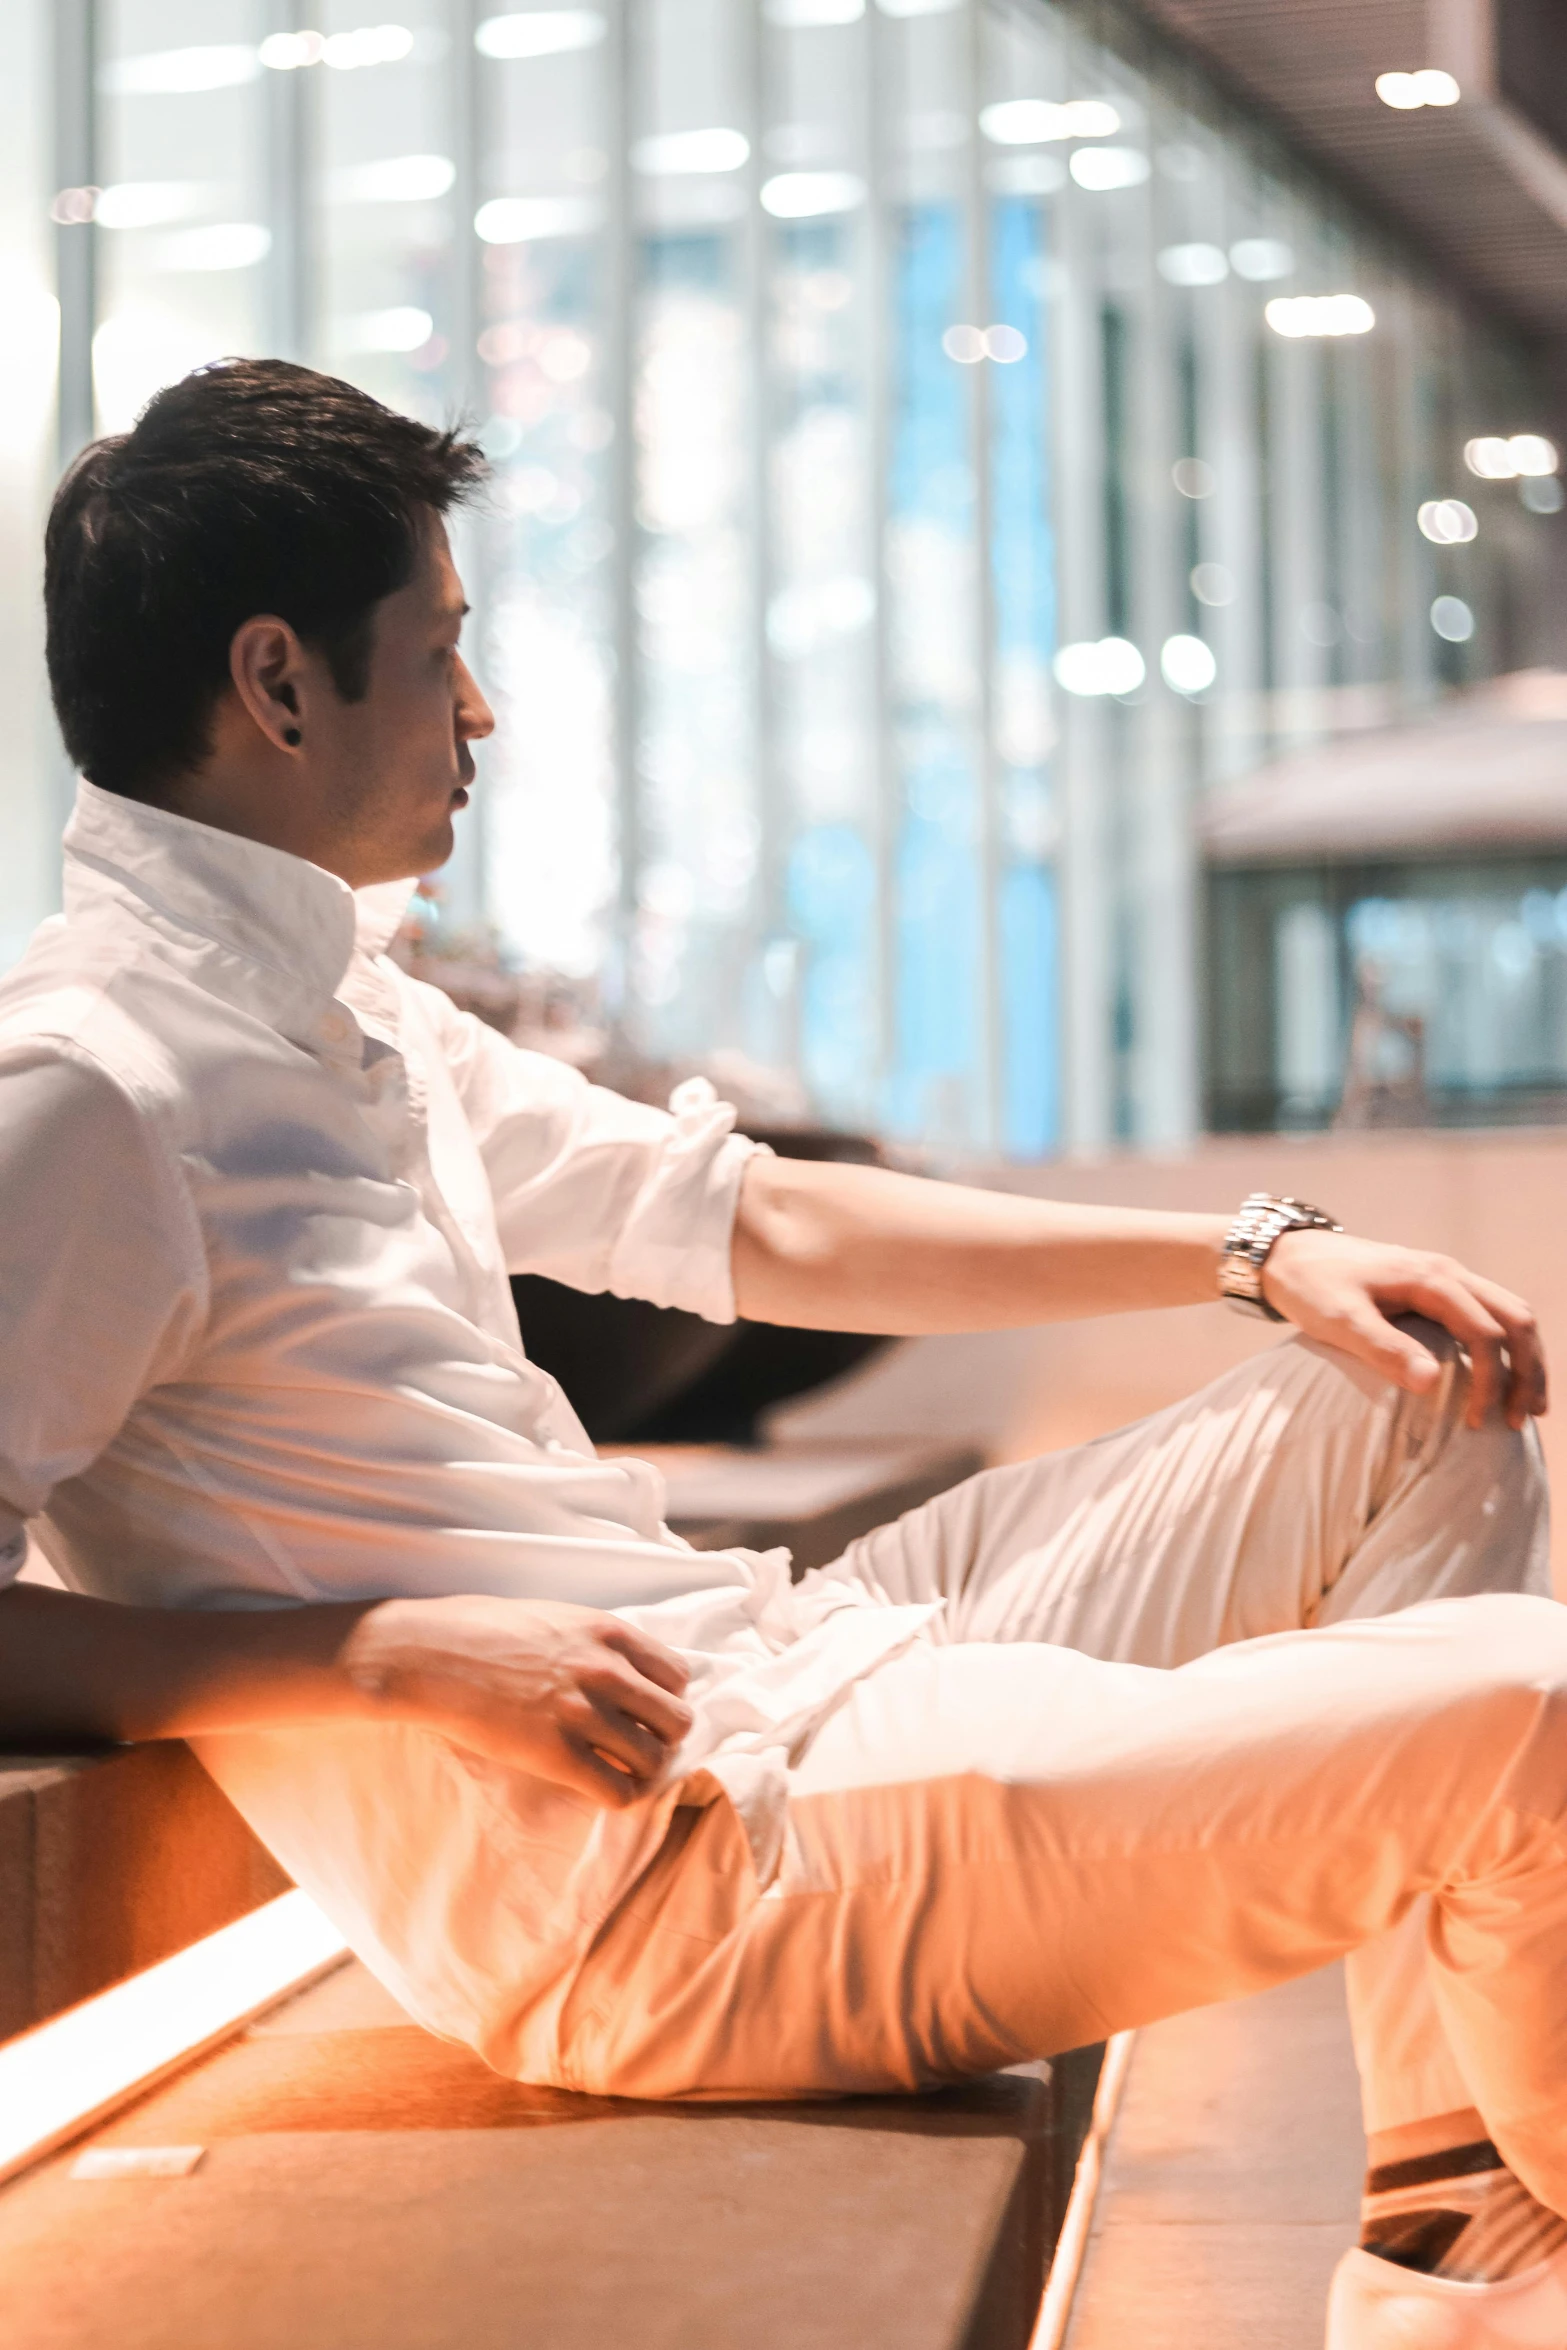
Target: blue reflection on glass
1024 592
939 939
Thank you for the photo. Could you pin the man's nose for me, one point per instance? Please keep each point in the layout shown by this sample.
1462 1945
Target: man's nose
475 718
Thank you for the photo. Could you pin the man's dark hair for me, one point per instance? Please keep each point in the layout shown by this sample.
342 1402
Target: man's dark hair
251 486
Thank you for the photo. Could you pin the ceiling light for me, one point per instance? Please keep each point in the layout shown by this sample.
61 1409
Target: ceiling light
544 32
811 195
1491 458
228 244
1006 345
1447 522
1030 122
394 179
174 73
1192 265
693 151
57 2078
147 203
371 44
1407 92
1262 258
1543 496
917 7
1090 118
1187 665
1532 453
522 220
1495 459
291 52
1319 314
965 344
1109 167
1452 619
1110 666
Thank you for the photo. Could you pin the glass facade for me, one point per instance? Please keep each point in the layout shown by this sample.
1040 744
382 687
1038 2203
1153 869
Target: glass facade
1405 992
933 439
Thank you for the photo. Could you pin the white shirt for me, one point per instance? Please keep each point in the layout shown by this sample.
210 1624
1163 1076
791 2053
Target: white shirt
259 1196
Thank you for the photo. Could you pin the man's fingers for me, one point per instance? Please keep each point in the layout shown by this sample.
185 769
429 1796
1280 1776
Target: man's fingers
1456 1307
1360 1330
622 1685
652 1659
1528 1391
596 1720
589 1773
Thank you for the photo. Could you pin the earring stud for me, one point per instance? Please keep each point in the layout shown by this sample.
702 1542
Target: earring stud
293 737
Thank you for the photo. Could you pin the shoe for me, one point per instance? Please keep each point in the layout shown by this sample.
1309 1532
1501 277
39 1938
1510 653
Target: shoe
1376 2305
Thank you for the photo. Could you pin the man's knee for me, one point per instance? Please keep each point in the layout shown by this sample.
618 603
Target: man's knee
1517 1646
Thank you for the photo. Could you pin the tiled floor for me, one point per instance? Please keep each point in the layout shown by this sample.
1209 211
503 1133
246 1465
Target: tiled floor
1232 2183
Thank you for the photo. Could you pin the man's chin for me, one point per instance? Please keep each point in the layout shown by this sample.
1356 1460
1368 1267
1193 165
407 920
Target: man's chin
438 847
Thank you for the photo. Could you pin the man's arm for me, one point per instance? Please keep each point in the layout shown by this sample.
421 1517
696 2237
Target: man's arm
565 1693
829 1247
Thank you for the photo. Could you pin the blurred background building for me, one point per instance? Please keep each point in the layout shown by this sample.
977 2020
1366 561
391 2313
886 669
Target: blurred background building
1004 512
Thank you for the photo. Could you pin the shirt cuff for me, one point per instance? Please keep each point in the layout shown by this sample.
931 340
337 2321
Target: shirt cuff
675 1249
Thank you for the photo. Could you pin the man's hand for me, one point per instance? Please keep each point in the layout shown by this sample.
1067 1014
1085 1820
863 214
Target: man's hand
1343 1290
566 1693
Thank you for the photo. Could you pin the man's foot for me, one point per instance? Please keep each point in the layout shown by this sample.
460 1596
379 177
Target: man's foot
1376 2305
1454 2254
1459 2212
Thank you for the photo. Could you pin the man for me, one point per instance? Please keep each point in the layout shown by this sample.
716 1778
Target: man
1050 1756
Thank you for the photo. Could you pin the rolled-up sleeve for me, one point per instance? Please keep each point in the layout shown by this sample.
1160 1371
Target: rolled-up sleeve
101 1281
597 1191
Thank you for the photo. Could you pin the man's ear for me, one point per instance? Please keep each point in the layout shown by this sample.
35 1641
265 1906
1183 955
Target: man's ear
267 669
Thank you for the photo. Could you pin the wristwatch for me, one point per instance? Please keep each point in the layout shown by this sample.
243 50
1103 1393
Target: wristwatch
1261 1220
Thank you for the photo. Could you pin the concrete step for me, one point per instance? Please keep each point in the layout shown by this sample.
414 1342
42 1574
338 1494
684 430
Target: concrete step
1232 2183
365 2186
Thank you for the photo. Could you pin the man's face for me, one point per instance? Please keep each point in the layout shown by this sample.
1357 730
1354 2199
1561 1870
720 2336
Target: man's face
397 764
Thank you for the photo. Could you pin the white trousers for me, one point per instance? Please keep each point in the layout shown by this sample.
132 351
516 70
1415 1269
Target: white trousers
1264 1680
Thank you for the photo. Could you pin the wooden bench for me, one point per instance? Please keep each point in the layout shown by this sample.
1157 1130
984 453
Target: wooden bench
108 1863
365 2186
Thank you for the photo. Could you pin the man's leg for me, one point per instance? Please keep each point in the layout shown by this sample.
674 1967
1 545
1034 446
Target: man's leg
999 1851
1299 1490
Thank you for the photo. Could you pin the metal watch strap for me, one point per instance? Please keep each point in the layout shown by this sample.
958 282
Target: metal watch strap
1262 1219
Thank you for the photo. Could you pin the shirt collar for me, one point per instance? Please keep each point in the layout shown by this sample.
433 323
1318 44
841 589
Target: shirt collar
259 902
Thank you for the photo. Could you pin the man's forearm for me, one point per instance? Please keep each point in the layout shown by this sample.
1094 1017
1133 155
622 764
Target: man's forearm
83 1668
857 1248
563 1693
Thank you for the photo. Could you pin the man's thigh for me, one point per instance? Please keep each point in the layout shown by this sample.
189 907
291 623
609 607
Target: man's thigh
1231 1515
997 1852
